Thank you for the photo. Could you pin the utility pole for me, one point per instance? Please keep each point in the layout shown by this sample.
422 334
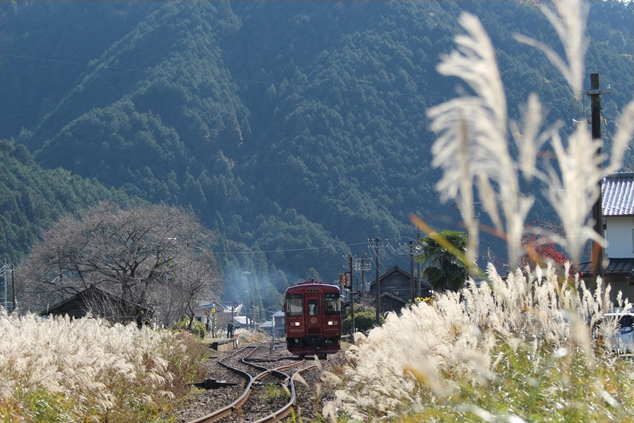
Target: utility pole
597 211
378 285
352 292
246 311
363 276
273 334
418 282
13 289
411 269
361 266
5 288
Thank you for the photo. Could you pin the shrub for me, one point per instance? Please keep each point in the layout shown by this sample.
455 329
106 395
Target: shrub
197 328
363 321
274 392
186 361
252 336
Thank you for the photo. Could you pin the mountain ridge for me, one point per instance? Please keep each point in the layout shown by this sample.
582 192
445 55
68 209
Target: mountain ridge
275 118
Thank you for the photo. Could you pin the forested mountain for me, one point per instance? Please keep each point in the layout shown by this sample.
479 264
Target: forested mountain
296 130
33 198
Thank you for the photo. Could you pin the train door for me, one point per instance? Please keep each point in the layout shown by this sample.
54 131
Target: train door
313 309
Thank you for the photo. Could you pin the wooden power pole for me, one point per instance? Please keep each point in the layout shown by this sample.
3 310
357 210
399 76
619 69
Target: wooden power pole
597 210
411 269
352 292
363 276
418 282
378 285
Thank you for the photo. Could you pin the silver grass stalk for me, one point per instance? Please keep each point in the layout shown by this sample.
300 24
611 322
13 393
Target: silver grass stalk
570 24
573 188
572 184
86 359
462 332
622 139
488 155
527 138
573 194
466 205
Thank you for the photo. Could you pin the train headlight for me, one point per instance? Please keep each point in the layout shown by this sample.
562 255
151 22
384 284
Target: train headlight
294 323
333 323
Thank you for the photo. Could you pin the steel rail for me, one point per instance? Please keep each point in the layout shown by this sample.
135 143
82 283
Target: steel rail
231 408
286 410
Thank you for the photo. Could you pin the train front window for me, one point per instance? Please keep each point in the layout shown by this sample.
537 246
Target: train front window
294 305
626 322
332 303
313 307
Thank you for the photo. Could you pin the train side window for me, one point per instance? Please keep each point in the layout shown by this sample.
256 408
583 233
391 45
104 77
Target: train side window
313 307
294 305
332 303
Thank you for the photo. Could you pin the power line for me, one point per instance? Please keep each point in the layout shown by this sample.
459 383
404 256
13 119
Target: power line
285 250
249 81
72 63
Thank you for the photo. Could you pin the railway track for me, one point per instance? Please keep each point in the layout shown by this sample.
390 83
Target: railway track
266 376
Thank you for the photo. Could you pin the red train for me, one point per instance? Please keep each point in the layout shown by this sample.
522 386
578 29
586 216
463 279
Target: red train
313 319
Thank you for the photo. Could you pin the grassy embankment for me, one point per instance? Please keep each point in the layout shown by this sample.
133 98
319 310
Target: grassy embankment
81 370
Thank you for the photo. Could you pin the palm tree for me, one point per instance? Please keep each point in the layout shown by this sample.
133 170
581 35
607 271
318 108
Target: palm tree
444 270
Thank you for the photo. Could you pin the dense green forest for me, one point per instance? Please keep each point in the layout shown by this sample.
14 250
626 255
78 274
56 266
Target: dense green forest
295 130
33 198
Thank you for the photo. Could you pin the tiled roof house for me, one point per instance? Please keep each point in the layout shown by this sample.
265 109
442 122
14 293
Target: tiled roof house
618 218
396 289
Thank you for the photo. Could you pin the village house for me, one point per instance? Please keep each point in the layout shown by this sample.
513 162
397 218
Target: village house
278 317
396 289
618 226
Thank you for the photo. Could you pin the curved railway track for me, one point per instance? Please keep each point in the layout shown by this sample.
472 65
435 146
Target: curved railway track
258 370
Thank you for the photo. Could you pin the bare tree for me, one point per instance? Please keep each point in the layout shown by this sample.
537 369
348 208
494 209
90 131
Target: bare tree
186 285
157 256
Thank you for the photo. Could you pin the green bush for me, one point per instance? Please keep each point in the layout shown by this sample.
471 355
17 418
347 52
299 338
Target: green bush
273 393
197 327
186 363
363 321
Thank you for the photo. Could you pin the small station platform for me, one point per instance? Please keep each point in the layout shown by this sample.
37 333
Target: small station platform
224 344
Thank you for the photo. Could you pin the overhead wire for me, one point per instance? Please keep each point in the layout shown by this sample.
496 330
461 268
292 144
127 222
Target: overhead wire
285 250
574 99
391 252
371 250
596 61
249 81
41 59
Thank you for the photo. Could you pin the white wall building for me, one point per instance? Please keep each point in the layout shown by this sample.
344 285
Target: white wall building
618 219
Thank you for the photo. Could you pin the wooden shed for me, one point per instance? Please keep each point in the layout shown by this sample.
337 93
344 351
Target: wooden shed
100 303
396 289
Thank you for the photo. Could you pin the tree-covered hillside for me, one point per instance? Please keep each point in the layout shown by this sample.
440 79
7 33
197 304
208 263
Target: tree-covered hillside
32 198
42 59
295 130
